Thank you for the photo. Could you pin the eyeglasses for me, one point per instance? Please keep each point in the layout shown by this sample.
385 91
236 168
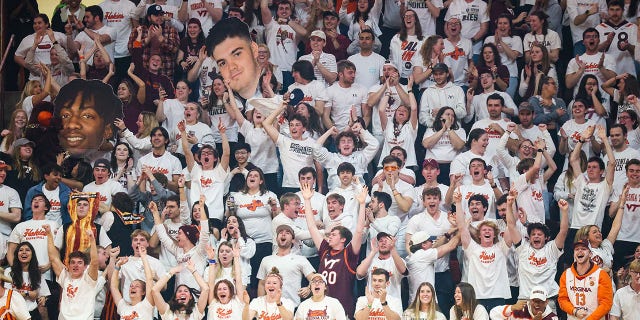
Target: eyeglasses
391 168
317 281
624 118
241 152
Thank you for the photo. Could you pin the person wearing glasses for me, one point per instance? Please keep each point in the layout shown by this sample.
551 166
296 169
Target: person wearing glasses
623 305
548 108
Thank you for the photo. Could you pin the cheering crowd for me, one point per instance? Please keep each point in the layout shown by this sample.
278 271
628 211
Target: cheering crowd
312 160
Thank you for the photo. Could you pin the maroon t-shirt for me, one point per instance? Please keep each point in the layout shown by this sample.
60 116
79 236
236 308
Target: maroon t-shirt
339 268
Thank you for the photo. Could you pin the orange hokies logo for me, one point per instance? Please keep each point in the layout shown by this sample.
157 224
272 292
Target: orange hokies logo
535 261
71 291
255 204
487 258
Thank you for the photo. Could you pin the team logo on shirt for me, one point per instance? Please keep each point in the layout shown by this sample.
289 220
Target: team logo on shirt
575 136
222 313
255 204
300 149
55 204
456 53
377 314
535 261
200 5
597 260
493 133
103 198
265 316
132 316
71 291
159 170
1 203
536 195
408 50
206 182
30 234
469 194
317 314
487 257
113 16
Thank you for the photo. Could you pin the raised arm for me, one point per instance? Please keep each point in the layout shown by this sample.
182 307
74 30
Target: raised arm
161 304
514 232
564 223
265 12
226 150
93 253
204 287
267 123
141 96
617 221
307 194
114 281
148 275
54 254
232 109
611 164
461 220
358 236
574 159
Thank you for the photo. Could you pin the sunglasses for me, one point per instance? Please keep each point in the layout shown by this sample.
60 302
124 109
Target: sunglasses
391 168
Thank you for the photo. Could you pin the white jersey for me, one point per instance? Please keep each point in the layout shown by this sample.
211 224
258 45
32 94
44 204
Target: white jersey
166 164
573 130
494 136
583 291
625 31
443 150
530 198
622 157
43 290
479 105
106 190
395 277
230 311
88 43
255 212
313 91
142 310
421 268
32 231
269 310
376 126
118 14
433 227
197 9
468 190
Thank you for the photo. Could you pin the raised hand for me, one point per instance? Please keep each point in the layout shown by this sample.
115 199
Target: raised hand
120 124
362 196
307 191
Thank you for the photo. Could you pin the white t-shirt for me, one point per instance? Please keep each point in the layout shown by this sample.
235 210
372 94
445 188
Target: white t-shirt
263 150
625 303
377 310
340 100
292 268
43 290
229 311
578 7
494 136
294 155
603 255
461 164
53 196
622 157
515 44
402 52
395 277
142 310
443 150
421 268
327 309
530 198
488 270
537 268
106 190
9 198
282 42
196 9
471 15
327 60
269 310
195 315
376 126
479 105
42 53
84 39
590 202
134 270
630 229
367 68
33 232
405 139
485 190
174 113
591 63
427 21
211 183
166 164
78 296
255 212
551 40
457 57
18 305
573 131
118 15
313 91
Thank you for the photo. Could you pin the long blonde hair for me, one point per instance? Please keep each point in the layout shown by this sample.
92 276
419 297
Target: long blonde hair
15 132
413 312
28 87
427 49
149 121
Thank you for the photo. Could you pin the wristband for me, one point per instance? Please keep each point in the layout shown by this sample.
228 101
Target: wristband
211 261
493 186
279 304
540 150
192 272
81 57
55 42
384 303
117 268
